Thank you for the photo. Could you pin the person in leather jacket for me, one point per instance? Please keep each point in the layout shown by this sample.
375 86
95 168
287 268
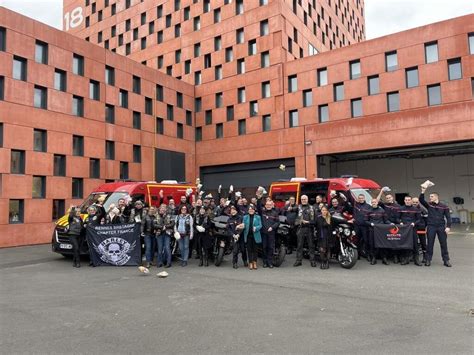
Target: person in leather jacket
148 231
76 226
305 222
270 222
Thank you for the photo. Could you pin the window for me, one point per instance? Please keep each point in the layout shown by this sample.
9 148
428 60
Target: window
39 187
123 170
239 7
197 104
137 153
471 43
241 66
109 75
169 112
94 168
60 81
59 168
197 78
136 85
78 146
265 59
41 52
137 120
168 21
197 50
434 95
391 61
393 101
148 106
253 47
292 83
266 89
77 188
94 90
78 64
356 107
179 100
77 106
219 100
454 69
40 140
1 134
241 95
339 92
177 5
208 117
253 108
123 98
230 113
159 11
207 61
206 6
180 131
128 24
58 209
160 125
239 36
177 30
2 88
15 211
307 98
431 52
177 56
217 43
109 150
189 118
3 39
198 134
242 128
217 15
159 93
322 77
187 66
355 69
113 9
109 113
229 54
411 75
19 68
294 118
219 130
197 23
266 123
159 37
264 28
373 84
41 97
17 161
187 13
323 113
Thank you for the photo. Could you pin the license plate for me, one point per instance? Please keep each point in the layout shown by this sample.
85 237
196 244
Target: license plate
65 246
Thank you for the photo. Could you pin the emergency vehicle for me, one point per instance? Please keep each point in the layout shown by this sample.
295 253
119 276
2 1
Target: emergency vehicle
147 192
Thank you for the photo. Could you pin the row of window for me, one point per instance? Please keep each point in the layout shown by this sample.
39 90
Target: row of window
411 78
16 210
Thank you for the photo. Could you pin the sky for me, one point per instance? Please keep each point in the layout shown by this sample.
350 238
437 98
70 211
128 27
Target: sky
382 16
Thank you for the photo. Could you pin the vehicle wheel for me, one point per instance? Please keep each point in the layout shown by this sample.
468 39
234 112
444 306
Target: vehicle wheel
67 256
280 257
350 260
220 257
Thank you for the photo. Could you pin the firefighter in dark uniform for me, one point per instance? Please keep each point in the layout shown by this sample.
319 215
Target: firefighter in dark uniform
375 215
234 230
392 209
438 223
291 212
421 228
270 223
410 215
305 222
359 213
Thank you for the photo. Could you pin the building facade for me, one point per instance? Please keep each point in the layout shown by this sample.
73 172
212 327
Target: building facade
228 91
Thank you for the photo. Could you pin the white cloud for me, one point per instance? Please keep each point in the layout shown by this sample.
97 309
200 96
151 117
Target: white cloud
49 12
383 17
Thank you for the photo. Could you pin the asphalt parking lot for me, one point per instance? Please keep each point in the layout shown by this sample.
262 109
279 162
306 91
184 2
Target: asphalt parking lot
47 306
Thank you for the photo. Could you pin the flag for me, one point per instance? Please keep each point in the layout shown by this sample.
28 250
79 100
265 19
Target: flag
114 244
390 236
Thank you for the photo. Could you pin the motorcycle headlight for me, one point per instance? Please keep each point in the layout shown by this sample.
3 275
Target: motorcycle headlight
340 229
347 232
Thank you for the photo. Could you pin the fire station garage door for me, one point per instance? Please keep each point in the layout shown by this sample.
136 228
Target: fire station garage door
449 166
246 176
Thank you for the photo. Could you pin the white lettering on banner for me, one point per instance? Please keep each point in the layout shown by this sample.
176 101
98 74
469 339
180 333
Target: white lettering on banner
74 18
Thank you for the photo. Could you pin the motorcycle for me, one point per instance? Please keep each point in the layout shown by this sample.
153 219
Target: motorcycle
222 241
345 251
281 242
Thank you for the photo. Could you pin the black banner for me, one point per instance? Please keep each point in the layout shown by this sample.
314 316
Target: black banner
114 244
393 236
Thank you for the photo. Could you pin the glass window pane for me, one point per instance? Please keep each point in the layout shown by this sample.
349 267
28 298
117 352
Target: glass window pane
393 102
323 113
411 77
391 61
434 95
355 69
338 92
373 85
454 67
322 77
356 107
431 52
294 118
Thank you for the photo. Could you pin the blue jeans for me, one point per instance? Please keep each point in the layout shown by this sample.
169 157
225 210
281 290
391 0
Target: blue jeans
184 247
150 246
164 252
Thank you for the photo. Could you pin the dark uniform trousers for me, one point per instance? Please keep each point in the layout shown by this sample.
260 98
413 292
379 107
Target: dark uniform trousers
431 232
268 243
362 233
305 233
239 247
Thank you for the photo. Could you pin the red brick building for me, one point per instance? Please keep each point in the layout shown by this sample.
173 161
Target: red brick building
245 93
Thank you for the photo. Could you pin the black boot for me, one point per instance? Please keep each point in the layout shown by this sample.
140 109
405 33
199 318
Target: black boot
78 263
297 263
385 261
235 266
369 258
206 262
373 260
396 259
74 262
424 258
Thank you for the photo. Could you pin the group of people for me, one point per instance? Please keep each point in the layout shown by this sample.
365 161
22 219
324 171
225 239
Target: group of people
255 222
